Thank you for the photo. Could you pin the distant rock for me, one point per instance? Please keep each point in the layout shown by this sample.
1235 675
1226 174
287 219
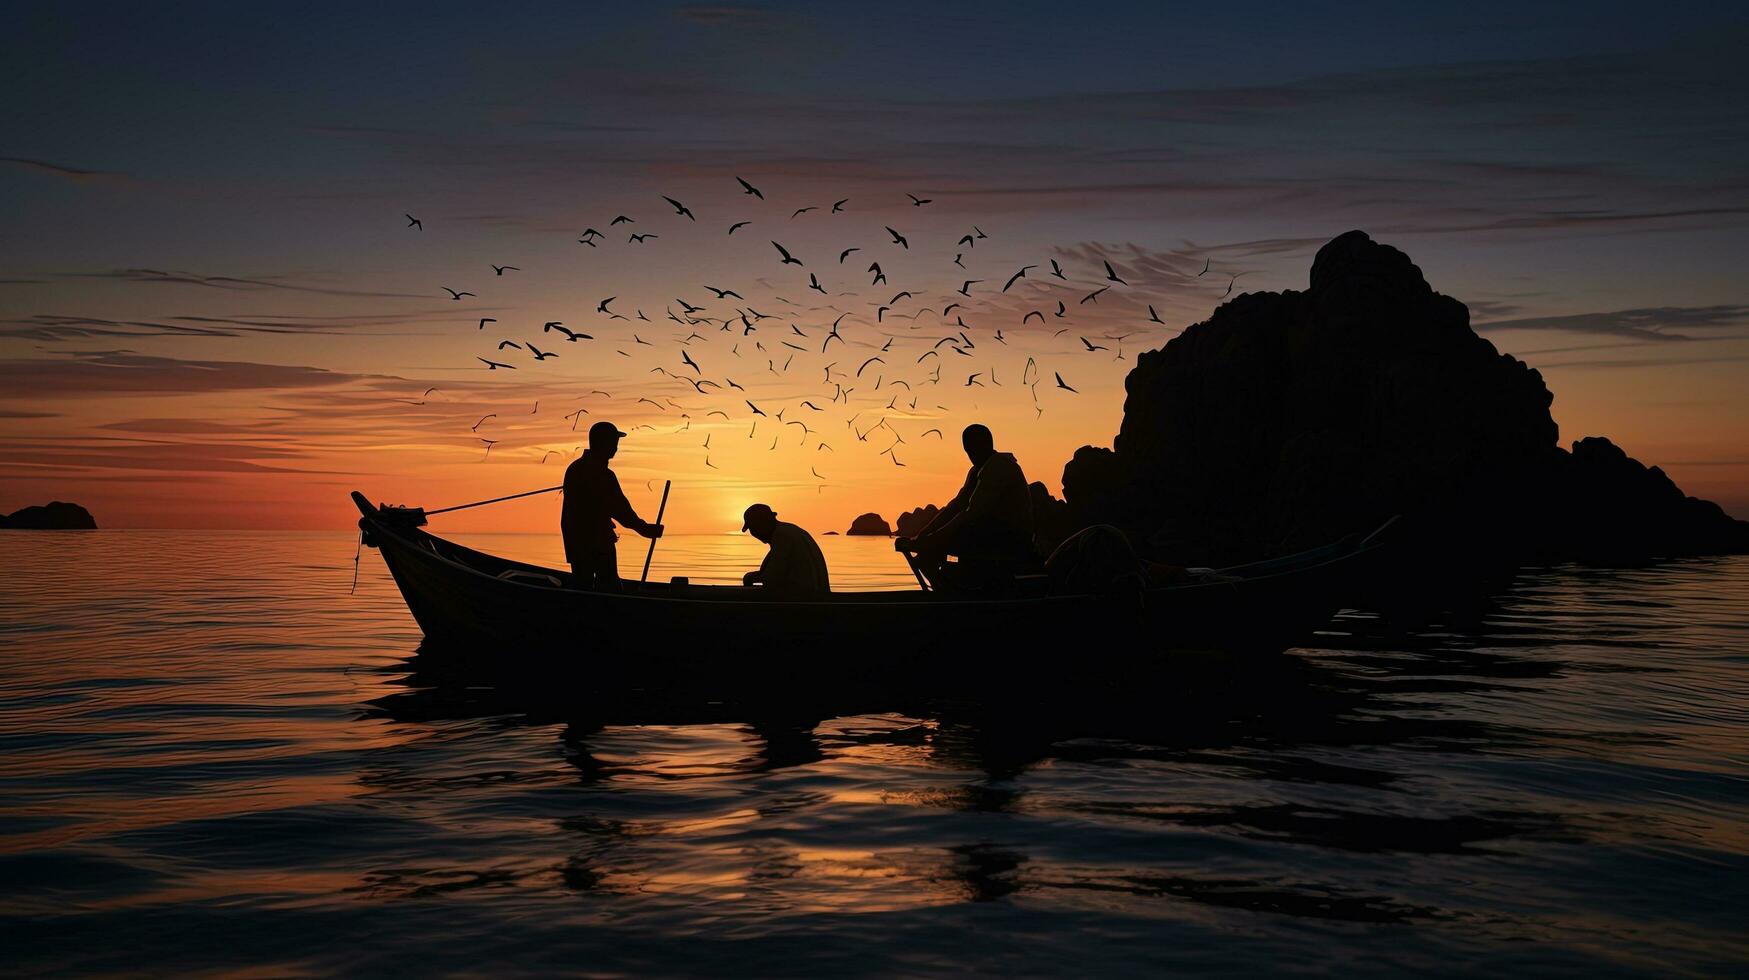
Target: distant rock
831 532
912 522
54 516
870 524
1289 419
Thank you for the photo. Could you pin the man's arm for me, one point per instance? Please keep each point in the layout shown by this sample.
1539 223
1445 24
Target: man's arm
762 574
945 515
621 510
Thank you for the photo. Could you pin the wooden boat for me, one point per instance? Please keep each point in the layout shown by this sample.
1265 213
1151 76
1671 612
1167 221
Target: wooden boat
492 610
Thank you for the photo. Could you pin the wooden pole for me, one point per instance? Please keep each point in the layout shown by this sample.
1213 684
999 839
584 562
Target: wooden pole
660 510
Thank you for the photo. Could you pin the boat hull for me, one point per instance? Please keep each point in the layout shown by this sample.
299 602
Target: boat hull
490 610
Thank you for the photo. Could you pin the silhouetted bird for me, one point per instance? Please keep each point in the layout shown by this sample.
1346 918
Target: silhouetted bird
680 208
476 426
540 355
494 365
802 211
1057 270
1152 316
601 307
487 319
750 189
1091 346
453 294
500 269
640 239
1112 275
738 224
1018 275
1062 384
508 343
788 259
898 239
918 202
838 205
621 220
846 254
413 222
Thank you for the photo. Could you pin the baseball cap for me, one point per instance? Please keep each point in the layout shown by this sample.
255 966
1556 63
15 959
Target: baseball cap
603 430
747 516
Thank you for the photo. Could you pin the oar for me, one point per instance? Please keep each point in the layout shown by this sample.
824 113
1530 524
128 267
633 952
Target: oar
660 510
911 560
494 500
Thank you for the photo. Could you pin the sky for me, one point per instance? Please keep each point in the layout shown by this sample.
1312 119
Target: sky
213 312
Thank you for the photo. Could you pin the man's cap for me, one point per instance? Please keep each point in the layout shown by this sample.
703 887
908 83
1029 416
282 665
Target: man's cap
601 430
747 516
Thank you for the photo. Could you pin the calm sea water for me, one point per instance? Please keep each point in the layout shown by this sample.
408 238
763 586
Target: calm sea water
215 759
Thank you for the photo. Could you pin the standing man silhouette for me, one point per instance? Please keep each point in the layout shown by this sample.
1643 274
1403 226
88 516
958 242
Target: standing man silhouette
593 502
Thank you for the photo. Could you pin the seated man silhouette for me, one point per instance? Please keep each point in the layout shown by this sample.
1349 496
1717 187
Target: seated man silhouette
794 568
988 523
593 501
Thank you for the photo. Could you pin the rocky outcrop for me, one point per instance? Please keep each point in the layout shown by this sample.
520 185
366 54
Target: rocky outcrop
54 516
1289 419
912 522
870 524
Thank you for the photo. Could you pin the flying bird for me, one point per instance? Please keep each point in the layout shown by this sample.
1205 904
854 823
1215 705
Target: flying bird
601 307
738 224
1094 296
1205 268
1152 316
494 365
879 276
838 206
814 283
508 343
966 287
1091 346
1062 384
621 220
687 360
487 319
898 239
680 208
455 295
918 202
750 189
413 222
788 259
754 407
540 355
500 269
1057 270
489 444
721 293
846 254
640 239
802 211
872 360
1111 275
1018 275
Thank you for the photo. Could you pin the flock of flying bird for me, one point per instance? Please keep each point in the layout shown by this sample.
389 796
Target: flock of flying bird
881 387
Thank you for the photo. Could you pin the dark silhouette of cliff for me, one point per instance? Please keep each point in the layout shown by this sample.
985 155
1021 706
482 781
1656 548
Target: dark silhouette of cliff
870 524
54 516
1289 419
912 522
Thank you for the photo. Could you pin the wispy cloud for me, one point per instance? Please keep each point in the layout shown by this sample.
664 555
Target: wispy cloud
1660 323
75 174
164 277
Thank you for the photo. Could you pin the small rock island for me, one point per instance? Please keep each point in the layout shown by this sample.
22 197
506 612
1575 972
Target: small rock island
870 524
56 515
